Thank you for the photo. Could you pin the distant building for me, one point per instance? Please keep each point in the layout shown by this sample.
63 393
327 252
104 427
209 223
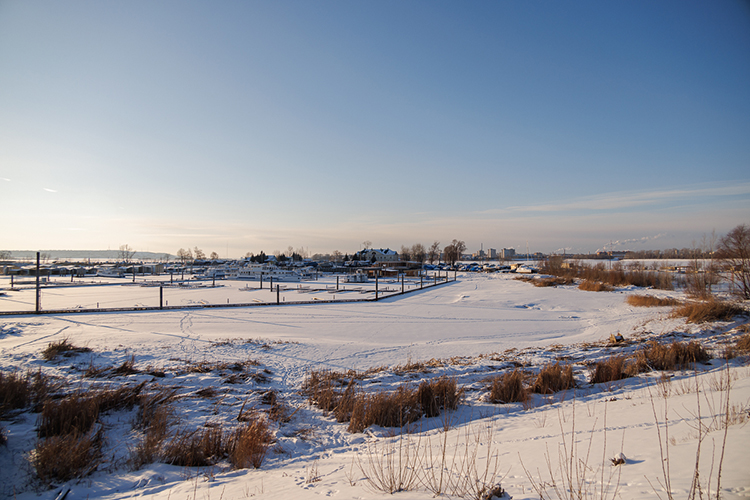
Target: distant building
508 253
493 253
379 255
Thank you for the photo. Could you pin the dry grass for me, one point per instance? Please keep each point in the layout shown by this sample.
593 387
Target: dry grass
709 310
198 448
650 301
553 378
611 369
508 388
248 445
435 395
66 457
61 348
743 343
387 409
18 390
595 286
679 355
126 368
547 281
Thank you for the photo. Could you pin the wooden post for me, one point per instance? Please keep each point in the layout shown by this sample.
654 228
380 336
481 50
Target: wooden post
272 284
261 280
38 290
277 293
402 283
337 283
161 297
421 281
376 285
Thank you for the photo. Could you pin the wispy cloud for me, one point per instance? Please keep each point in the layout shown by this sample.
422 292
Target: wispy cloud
5 179
627 200
50 190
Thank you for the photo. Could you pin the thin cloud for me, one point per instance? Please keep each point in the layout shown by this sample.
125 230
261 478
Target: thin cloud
50 190
623 200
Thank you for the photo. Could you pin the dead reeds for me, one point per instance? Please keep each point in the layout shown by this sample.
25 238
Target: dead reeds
61 348
708 310
650 301
553 378
395 408
508 388
595 286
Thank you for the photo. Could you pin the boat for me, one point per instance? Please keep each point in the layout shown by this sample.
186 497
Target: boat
110 272
358 277
266 272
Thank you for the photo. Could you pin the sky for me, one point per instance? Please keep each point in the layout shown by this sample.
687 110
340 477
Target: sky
242 126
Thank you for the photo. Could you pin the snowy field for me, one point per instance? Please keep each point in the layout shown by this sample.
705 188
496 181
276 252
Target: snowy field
476 327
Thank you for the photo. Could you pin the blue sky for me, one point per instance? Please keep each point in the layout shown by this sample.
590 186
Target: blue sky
248 126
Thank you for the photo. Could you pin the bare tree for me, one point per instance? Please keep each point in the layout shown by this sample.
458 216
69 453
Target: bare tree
433 253
459 247
337 256
734 252
214 256
405 253
184 255
449 254
418 252
366 244
125 253
198 254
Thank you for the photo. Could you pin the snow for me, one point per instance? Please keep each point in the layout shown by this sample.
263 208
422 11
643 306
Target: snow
478 325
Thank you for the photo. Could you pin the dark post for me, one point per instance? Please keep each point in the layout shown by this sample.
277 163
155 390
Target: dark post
38 290
337 282
277 293
261 280
402 283
214 282
421 281
11 281
133 273
272 284
171 277
435 275
376 285
161 297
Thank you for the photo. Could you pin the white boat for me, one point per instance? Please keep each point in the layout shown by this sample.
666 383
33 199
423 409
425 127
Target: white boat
110 272
265 272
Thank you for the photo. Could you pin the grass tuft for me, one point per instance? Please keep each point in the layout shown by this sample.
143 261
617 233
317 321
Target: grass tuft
553 378
61 348
595 286
709 310
650 301
508 388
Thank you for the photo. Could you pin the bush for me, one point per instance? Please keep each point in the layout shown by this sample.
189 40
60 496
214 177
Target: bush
709 310
508 388
198 448
553 378
435 395
386 409
743 343
650 301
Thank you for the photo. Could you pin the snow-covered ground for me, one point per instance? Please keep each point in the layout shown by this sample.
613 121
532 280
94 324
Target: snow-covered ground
479 326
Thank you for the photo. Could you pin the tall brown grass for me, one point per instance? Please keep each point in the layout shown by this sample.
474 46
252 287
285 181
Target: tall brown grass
678 355
650 301
68 456
508 388
248 445
709 310
595 286
611 369
20 390
615 275
553 378
385 408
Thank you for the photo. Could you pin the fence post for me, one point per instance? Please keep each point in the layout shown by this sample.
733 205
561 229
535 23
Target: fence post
161 297
376 286
277 293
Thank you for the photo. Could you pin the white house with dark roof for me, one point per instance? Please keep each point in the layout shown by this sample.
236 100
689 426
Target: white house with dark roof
379 255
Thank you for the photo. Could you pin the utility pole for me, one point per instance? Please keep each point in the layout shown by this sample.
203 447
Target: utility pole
38 290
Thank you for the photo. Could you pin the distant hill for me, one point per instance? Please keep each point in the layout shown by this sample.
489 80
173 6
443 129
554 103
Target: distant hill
85 254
